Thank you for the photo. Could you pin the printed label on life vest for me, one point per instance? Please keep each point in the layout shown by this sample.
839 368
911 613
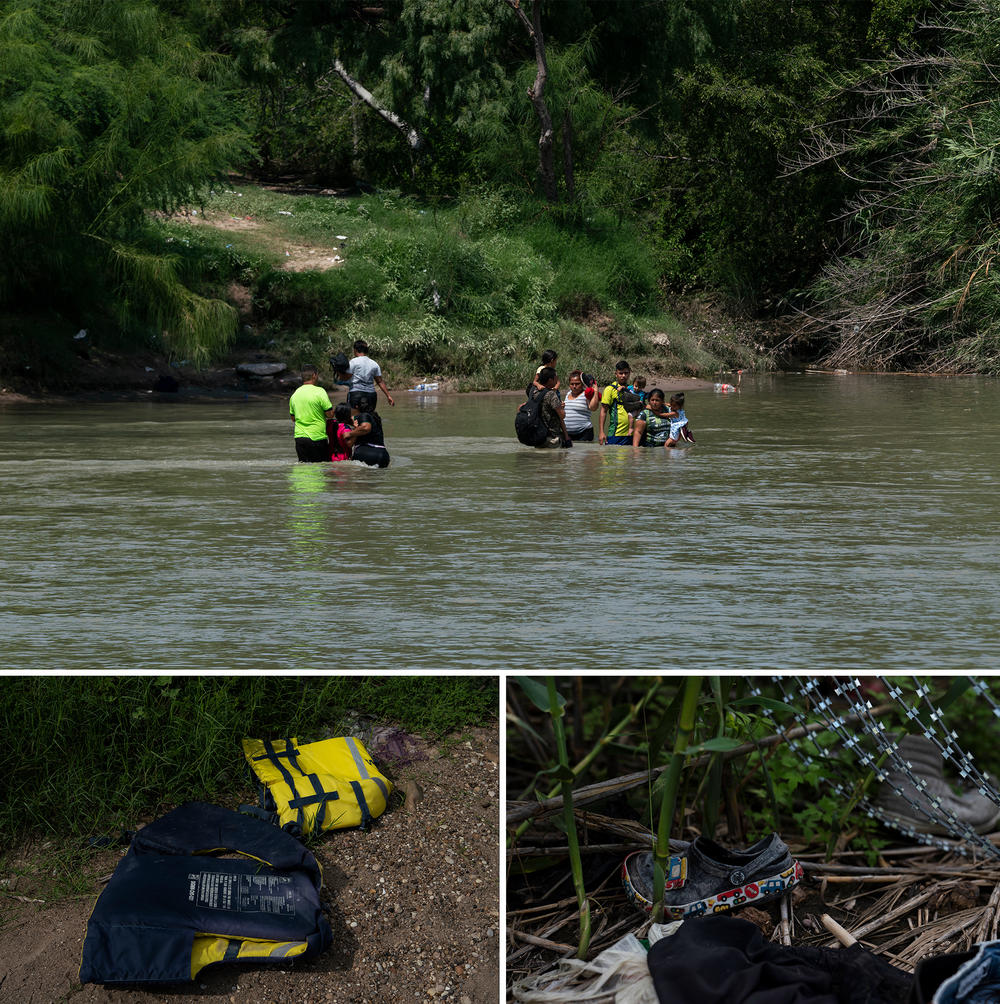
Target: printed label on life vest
242 893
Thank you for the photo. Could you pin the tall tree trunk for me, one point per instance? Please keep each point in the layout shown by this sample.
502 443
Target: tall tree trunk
413 138
546 166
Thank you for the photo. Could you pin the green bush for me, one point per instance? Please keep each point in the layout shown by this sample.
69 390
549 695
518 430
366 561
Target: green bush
91 753
301 298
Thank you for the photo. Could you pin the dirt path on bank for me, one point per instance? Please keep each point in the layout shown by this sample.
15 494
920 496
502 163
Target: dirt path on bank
413 903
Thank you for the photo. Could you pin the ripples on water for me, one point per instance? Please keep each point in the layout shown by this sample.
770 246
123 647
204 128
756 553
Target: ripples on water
819 523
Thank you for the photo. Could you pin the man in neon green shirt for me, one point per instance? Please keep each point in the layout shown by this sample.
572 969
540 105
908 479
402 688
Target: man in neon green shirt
615 432
309 406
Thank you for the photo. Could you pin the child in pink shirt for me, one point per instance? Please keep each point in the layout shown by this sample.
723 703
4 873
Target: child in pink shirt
338 431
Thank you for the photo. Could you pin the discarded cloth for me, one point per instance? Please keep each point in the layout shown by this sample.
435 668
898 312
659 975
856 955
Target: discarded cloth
619 975
171 909
977 981
724 960
932 971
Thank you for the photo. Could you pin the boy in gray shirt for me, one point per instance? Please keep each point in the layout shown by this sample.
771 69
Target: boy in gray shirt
365 373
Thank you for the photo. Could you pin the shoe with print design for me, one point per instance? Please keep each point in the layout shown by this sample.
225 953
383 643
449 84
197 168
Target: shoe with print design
709 878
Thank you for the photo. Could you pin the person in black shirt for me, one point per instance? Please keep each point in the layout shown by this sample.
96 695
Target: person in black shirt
367 439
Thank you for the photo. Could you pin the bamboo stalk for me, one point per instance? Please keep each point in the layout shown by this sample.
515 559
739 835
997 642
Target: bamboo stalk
557 851
576 866
543 908
898 912
661 852
914 870
842 935
865 879
786 931
553 946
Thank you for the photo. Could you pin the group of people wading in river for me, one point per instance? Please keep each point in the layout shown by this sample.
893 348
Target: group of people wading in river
349 431
629 415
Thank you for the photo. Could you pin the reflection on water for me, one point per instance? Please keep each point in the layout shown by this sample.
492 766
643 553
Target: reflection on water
307 512
819 523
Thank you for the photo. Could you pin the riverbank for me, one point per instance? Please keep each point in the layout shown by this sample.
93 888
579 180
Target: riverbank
107 376
459 296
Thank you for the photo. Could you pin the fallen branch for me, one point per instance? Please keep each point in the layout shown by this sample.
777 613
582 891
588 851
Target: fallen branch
841 934
554 946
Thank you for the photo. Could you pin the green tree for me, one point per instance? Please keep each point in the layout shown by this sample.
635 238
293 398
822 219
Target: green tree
107 110
395 84
736 224
914 284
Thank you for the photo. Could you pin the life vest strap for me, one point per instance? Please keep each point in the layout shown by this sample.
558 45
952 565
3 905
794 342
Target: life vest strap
320 798
292 755
366 816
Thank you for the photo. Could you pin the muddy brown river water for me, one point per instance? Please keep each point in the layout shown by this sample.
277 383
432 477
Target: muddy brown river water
821 523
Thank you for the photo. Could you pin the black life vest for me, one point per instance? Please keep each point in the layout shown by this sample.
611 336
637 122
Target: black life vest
171 909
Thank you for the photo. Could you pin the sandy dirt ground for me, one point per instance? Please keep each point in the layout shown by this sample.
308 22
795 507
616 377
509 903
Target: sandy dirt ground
413 903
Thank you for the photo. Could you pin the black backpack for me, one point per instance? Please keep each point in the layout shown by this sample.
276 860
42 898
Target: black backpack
630 400
528 424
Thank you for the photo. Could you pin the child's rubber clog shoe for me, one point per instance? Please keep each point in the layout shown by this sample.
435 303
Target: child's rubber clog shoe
709 878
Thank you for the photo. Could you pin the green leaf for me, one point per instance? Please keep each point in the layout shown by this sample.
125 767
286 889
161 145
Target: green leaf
559 772
720 744
768 703
537 692
958 687
524 727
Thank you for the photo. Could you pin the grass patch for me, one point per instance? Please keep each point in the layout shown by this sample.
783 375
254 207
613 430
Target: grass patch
471 291
97 753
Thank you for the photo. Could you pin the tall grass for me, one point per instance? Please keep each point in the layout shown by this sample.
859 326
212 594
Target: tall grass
85 754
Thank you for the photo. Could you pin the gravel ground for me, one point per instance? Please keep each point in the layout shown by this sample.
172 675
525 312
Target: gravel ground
413 903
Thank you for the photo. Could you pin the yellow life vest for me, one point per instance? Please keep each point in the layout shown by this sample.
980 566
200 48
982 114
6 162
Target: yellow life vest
328 785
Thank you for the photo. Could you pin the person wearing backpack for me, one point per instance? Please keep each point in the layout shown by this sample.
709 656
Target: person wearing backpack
613 428
365 373
541 420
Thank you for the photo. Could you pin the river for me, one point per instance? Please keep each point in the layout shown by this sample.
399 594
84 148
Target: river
820 523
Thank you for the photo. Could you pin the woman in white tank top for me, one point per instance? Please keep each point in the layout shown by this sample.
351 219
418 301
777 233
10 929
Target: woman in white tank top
579 403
